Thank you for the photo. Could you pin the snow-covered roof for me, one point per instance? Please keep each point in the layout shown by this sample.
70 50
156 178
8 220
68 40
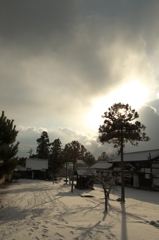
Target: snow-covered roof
82 171
138 156
36 164
20 168
101 165
80 161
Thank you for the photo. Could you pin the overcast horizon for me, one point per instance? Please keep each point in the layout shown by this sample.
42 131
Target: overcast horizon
64 63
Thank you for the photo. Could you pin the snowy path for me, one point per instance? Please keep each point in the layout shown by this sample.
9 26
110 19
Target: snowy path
37 210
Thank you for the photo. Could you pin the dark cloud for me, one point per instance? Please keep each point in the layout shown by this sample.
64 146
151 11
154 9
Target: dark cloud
35 23
150 118
84 37
57 56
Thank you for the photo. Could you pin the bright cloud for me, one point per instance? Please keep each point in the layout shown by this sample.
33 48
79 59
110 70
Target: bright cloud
63 63
133 93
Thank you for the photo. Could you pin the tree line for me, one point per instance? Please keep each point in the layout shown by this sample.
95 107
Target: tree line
58 156
119 127
53 151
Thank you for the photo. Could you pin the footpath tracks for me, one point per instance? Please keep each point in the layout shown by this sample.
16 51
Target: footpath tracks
26 207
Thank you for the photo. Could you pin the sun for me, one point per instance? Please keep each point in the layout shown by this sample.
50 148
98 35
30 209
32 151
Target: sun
133 93
121 111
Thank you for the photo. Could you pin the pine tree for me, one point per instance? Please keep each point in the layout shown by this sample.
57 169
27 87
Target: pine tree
103 157
89 159
55 157
43 146
119 128
8 147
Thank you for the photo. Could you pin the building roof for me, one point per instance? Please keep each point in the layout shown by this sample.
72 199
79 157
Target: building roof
82 171
36 164
20 168
80 163
138 156
101 165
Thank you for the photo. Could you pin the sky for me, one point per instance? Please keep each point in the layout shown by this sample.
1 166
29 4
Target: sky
64 63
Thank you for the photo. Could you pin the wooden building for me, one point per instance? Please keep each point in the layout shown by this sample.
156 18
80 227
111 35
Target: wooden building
36 168
141 169
84 178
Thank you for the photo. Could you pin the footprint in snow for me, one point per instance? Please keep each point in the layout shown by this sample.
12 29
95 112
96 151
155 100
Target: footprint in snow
46 221
44 235
36 227
44 226
59 235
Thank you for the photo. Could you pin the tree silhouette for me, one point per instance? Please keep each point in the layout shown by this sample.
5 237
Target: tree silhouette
8 147
104 157
119 128
55 156
43 146
107 181
72 152
89 159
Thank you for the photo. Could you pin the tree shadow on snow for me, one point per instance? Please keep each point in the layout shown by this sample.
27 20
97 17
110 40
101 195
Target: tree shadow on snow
14 191
123 222
96 230
139 195
10 214
99 227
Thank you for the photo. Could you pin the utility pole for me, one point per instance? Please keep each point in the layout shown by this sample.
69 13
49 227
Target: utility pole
30 151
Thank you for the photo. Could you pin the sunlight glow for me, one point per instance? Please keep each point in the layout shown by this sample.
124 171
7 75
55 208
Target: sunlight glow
134 93
121 111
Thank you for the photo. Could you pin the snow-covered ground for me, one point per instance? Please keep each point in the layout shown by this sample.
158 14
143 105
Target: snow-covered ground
37 210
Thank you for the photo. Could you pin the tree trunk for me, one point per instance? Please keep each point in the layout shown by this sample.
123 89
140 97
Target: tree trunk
66 172
72 185
122 170
106 198
72 178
